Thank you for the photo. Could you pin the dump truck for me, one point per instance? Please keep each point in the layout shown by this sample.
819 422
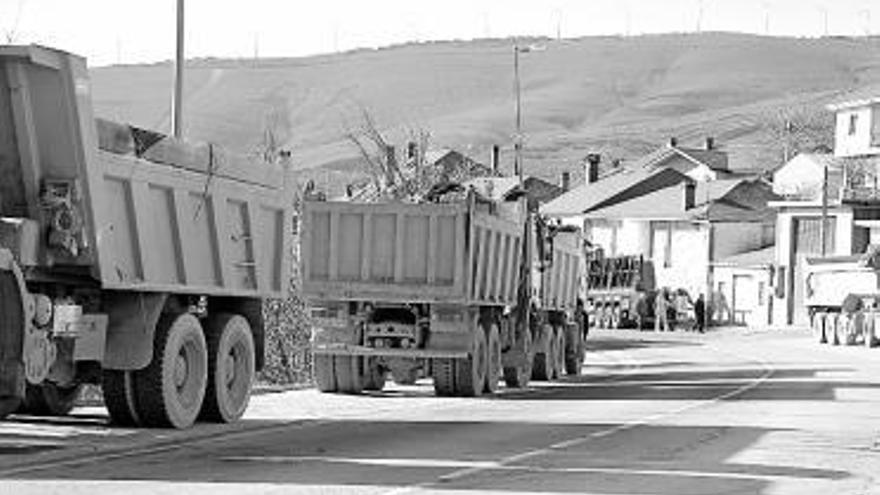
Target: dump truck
467 292
842 294
620 290
127 259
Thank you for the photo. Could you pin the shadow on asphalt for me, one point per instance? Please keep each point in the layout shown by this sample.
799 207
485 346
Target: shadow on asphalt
666 460
635 341
673 385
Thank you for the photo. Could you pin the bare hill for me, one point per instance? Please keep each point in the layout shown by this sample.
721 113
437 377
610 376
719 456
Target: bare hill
621 96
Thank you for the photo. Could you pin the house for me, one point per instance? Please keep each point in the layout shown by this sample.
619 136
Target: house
686 227
742 292
500 188
842 221
701 164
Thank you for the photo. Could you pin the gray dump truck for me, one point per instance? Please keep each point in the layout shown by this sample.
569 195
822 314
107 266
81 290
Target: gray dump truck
127 259
468 292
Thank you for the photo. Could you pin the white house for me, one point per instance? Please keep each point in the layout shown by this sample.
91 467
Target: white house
849 216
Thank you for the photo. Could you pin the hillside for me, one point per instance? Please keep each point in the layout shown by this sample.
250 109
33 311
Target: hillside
622 96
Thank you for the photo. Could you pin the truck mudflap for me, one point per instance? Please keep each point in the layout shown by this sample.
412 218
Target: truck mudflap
360 350
13 314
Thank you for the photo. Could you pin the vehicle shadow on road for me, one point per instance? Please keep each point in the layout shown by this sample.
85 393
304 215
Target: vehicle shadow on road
458 455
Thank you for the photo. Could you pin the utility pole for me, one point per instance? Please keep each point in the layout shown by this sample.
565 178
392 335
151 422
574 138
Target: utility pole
824 227
177 97
517 144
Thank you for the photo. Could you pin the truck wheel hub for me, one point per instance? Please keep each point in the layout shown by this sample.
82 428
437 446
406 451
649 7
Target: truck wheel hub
180 370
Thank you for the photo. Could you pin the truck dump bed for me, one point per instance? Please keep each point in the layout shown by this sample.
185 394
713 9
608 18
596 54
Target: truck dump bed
139 212
396 252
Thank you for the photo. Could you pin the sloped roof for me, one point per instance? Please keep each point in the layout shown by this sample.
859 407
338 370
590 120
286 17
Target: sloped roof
609 190
867 95
758 258
435 155
739 200
497 188
714 159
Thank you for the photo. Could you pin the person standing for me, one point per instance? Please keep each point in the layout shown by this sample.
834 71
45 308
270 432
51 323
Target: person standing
700 314
661 311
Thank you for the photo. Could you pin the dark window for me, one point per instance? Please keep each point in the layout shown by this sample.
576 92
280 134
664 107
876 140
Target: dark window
853 122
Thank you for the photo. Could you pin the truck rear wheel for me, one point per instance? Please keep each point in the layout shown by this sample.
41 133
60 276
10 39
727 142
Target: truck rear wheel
470 372
11 335
833 327
349 374
819 325
231 368
868 329
443 373
120 397
493 370
558 352
574 350
518 376
542 369
170 390
374 375
49 399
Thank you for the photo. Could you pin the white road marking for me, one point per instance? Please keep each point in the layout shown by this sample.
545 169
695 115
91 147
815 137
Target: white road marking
469 471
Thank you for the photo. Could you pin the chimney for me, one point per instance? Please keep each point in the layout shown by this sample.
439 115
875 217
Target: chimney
412 150
710 143
493 158
591 174
689 189
673 142
565 182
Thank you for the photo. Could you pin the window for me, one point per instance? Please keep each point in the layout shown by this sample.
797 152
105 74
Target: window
661 244
853 122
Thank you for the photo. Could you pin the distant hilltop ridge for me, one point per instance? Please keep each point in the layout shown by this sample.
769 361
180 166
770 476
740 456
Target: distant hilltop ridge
619 96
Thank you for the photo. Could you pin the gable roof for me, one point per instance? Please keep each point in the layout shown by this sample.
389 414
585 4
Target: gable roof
612 189
737 200
713 159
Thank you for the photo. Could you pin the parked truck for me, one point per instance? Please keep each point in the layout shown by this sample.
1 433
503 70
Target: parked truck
467 292
127 259
843 298
620 291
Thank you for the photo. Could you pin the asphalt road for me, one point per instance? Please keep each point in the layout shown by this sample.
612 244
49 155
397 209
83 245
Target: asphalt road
729 412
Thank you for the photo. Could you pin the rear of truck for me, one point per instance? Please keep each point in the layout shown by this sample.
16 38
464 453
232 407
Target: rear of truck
842 294
455 291
620 291
127 259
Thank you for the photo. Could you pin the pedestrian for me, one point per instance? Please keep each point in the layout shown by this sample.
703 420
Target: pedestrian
700 313
661 311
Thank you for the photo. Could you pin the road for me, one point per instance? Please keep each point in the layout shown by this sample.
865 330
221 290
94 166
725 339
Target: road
729 412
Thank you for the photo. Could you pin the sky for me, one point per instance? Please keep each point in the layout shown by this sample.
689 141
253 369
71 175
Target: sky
128 31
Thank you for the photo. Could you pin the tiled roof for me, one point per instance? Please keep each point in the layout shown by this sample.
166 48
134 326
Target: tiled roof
714 201
604 192
757 258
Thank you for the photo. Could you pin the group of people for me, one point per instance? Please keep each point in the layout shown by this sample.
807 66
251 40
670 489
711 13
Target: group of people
670 308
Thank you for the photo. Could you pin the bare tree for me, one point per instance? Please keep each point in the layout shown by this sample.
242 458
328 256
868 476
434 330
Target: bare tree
799 129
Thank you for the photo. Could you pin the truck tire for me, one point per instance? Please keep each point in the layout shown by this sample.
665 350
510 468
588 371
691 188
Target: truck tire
408 377
170 390
542 369
518 376
11 335
443 373
558 352
374 375
324 373
49 399
349 374
574 350
832 327
470 372
231 368
868 329
493 370
120 399
819 323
